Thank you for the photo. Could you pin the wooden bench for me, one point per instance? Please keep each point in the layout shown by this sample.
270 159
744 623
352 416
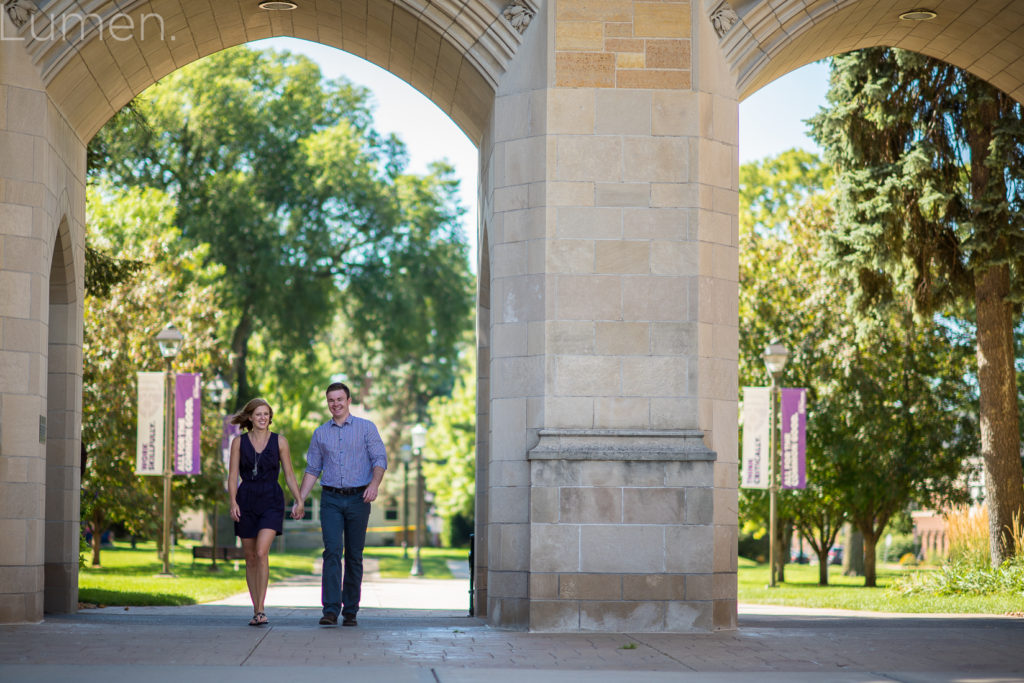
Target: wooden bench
206 552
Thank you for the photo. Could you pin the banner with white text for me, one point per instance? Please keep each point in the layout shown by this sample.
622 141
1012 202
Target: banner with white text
187 424
149 441
756 433
794 438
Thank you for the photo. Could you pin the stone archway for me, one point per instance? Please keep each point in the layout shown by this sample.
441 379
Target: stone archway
61 429
608 191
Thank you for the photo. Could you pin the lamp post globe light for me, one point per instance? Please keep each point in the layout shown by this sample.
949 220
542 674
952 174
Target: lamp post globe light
169 341
419 440
217 391
775 356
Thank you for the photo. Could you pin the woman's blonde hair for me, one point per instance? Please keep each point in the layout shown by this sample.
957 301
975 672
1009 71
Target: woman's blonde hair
244 416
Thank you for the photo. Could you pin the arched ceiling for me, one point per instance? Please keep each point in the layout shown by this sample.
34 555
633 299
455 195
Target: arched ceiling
95 56
764 39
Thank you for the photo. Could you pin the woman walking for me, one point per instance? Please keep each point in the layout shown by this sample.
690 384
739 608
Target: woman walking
257 503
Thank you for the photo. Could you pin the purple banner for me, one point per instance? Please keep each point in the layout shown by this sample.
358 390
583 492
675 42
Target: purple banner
187 425
229 433
794 438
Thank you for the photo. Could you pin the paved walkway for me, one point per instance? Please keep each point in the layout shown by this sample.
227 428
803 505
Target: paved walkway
417 630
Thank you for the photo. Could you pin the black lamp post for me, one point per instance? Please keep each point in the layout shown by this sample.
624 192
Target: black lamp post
419 440
217 390
169 340
406 456
775 357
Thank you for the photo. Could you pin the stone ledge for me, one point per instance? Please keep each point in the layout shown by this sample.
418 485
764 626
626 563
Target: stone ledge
621 444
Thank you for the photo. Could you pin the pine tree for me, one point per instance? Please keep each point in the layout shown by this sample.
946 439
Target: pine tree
930 194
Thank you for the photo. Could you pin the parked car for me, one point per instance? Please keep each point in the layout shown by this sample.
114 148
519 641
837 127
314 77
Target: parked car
835 555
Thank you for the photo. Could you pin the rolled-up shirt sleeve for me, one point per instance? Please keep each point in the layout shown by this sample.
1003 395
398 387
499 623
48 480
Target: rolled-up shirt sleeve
375 448
314 456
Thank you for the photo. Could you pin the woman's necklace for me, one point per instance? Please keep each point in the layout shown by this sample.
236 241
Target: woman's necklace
258 452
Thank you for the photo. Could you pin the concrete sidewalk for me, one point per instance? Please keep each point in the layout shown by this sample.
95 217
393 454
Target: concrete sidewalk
403 635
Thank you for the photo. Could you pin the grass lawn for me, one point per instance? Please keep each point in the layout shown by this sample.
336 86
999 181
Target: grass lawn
801 589
434 561
131 576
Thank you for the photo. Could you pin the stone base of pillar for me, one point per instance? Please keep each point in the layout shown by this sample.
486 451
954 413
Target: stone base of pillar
621 531
61 588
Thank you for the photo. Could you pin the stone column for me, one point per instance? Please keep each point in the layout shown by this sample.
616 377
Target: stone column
610 187
42 205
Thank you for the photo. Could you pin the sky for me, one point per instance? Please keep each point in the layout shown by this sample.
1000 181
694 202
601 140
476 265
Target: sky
771 120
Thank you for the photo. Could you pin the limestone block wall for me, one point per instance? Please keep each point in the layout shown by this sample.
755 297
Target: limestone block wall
612 211
716 180
42 204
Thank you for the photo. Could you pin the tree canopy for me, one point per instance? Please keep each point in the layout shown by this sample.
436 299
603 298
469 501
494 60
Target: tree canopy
251 201
889 406
165 285
304 205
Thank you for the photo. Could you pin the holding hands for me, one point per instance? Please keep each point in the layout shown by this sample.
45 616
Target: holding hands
298 510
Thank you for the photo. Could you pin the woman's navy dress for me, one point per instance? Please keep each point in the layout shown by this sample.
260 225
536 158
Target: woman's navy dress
260 498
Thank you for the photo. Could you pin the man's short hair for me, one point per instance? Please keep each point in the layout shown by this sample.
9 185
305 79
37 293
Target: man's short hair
339 386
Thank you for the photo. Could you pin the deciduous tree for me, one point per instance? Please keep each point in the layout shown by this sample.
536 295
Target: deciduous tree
121 320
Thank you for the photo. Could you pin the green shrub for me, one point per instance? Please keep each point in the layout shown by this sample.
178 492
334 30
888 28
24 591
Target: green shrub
963 578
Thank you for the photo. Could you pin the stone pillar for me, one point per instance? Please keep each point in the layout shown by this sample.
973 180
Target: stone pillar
609 186
42 205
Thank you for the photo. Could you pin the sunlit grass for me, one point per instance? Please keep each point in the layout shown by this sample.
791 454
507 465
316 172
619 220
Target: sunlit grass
434 561
131 576
801 589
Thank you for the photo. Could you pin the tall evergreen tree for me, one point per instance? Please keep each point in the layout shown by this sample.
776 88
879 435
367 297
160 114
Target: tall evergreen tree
930 199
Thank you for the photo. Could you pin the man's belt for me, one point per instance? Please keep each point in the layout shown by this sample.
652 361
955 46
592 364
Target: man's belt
345 490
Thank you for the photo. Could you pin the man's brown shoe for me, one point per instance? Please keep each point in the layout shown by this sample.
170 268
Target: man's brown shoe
329 620
349 620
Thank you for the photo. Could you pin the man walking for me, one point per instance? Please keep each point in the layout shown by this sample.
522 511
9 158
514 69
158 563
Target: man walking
348 456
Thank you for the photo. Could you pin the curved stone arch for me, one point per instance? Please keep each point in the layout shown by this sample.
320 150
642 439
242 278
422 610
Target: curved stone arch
762 40
61 430
63 283
483 422
453 52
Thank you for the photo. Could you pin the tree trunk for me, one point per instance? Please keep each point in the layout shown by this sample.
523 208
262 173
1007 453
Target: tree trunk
240 351
823 566
1000 438
870 545
97 533
853 553
997 382
783 539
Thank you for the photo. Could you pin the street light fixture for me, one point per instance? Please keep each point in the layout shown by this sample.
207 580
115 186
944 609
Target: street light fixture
169 341
775 357
217 391
419 440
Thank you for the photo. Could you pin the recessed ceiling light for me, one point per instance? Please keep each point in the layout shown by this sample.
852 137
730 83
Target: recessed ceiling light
277 4
918 15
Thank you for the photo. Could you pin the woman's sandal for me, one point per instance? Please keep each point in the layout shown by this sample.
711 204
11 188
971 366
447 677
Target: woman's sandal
258 619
